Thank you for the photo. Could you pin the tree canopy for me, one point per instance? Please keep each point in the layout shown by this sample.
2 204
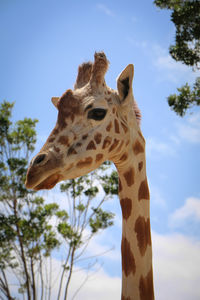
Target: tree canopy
186 18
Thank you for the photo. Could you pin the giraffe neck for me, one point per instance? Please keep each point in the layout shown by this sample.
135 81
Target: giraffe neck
137 278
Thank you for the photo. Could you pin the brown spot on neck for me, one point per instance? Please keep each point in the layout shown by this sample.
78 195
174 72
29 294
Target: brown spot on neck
91 146
107 142
84 163
129 176
71 151
142 229
120 146
116 126
124 157
78 144
84 137
146 286
138 148
126 206
99 157
140 165
143 192
128 261
125 128
109 126
114 145
63 140
98 137
51 140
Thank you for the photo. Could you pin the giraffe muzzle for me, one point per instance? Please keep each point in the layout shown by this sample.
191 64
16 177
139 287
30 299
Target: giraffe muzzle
43 172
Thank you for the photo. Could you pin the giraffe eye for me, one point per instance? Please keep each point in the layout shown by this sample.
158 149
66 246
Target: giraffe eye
97 114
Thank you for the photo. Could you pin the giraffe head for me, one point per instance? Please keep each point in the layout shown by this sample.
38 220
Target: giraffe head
94 124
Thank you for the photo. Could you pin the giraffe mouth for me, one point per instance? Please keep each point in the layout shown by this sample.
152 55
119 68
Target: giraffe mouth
47 183
43 173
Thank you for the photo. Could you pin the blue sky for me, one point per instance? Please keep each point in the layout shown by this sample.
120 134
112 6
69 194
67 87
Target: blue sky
42 44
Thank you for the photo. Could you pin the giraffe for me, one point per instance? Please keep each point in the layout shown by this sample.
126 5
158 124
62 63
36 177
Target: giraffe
96 123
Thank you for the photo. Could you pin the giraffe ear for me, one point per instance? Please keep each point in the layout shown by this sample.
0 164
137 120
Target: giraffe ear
124 82
54 100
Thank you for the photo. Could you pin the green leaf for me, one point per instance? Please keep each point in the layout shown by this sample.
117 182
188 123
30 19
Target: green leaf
101 220
62 214
92 191
110 183
185 98
80 207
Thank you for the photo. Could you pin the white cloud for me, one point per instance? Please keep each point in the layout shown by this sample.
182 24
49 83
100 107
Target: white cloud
194 119
139 44
97 246
172 70
189 128
168 68
96 284
165 61
185 130
156 148
175 139
156 196
176 267
99 286
93 284
103 8
190 210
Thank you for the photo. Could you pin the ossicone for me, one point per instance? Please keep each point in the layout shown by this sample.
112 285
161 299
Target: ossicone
99 69
84 74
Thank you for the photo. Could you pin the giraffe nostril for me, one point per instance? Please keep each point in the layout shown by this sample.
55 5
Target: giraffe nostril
39 159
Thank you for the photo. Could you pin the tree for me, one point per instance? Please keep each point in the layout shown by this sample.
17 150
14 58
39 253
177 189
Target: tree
26 237
186 98
83 221
185 16
32 228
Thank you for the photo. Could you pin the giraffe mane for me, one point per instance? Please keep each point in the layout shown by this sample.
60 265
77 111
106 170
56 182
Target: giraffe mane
137 112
